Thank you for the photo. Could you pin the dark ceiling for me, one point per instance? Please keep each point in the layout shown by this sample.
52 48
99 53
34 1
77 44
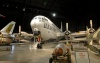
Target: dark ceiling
76 12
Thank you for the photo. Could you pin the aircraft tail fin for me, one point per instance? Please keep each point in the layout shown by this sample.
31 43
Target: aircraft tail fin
8 29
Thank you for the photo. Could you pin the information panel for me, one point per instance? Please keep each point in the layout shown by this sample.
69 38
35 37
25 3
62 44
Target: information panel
82 57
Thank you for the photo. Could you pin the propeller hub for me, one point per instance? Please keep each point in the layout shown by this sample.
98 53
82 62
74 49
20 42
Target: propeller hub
91 30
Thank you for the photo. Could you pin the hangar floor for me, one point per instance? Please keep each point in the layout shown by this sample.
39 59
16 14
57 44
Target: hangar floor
28 53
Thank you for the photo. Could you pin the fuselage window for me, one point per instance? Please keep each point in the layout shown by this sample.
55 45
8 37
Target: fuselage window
44 20
45 25
48 27
39 18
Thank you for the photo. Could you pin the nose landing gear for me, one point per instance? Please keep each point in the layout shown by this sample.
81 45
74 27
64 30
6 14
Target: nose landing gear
39 45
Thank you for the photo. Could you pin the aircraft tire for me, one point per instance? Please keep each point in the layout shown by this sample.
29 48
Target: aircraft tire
69 60
50 60
39 46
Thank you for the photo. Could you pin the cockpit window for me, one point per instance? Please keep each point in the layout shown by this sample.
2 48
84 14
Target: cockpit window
44 20
39 17
35 18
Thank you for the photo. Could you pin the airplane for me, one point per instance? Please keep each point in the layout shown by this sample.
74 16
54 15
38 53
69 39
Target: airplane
94 42
6 33
23 36
80 34
45 28
89 36
92 39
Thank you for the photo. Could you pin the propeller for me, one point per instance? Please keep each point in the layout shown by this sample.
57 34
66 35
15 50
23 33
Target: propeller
91 30
67 32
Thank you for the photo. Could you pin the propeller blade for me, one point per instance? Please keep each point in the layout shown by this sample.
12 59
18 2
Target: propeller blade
87 32
66 26
91 23
19 29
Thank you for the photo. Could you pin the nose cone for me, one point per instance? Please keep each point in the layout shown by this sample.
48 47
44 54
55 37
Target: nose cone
34 22
58 51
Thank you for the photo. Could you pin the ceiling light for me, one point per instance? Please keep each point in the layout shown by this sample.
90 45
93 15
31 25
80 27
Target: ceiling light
23 9
53 14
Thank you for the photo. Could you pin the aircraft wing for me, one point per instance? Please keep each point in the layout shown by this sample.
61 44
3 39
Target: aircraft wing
77 34
74 40
77 40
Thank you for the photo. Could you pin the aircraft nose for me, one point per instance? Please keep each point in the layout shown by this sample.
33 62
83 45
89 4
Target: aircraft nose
58 51
33 23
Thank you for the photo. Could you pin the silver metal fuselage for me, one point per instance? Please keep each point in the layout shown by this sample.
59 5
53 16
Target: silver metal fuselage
46 27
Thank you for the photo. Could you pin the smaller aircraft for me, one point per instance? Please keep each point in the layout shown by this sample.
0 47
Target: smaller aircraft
6 33
61 53
23 36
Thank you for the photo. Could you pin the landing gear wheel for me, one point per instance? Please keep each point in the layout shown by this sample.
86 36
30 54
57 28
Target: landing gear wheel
39 46
50 60
69 60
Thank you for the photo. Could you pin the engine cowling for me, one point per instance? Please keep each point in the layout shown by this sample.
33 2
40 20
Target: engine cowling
91 30
60 49
36 32
67 35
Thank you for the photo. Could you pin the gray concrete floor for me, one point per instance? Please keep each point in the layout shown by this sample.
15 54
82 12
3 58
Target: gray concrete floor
28 53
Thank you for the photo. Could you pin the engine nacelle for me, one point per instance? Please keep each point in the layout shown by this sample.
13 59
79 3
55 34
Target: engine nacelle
67 35
36 32
91 30
61 54
60 50
67 32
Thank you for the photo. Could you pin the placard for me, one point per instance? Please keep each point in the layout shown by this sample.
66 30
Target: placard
82 57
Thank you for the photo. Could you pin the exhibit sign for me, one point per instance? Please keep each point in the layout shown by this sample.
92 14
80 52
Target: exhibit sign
82 57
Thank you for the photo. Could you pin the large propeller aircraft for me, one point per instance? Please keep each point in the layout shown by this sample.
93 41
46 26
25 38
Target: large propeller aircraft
90 36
